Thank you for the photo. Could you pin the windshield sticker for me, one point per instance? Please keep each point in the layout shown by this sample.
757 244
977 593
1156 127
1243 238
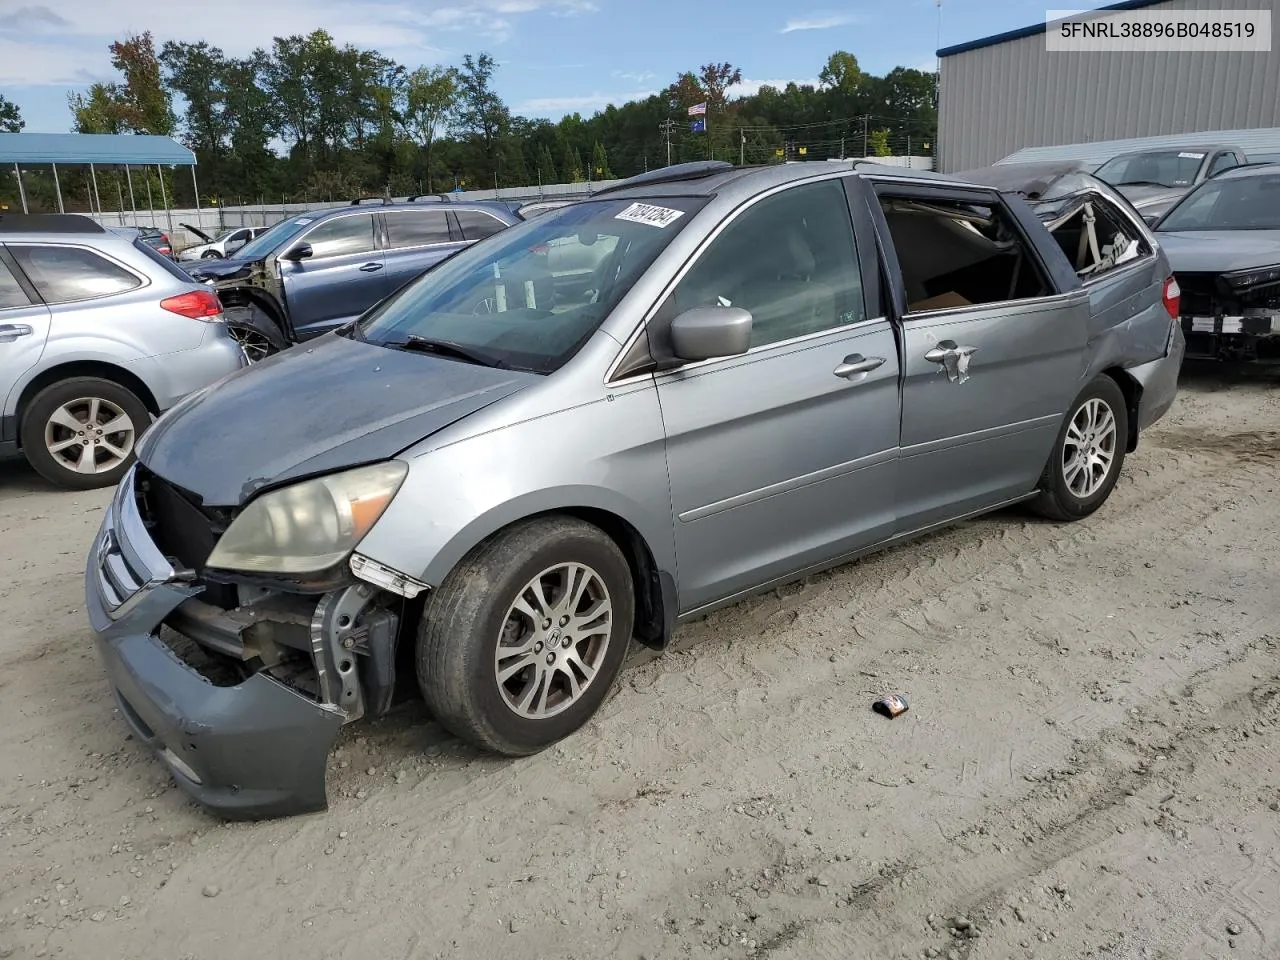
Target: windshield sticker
650 214
1191 156
302 221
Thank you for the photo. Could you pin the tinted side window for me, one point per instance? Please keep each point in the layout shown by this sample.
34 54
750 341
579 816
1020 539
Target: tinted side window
353 234
789 259
957 253
11 295
477 225
414 228
66 274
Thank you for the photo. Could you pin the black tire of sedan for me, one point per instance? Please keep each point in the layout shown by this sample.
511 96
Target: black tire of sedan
82 433
1088 454
526 637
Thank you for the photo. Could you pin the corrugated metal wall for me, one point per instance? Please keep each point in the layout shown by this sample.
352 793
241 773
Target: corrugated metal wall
996 100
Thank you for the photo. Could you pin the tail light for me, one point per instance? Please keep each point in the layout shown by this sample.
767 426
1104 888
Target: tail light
1172 298
198 305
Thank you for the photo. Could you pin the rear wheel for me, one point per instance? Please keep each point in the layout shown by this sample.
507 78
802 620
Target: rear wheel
81 433
525 638
255 331
1088 454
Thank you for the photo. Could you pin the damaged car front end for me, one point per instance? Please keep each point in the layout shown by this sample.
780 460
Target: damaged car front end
239 626
1223 242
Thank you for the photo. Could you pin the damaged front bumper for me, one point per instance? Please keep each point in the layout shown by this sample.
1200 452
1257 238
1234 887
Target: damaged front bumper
242 705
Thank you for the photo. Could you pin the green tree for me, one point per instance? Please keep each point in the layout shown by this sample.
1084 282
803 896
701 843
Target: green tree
546 165
431 107
300 78
841 73
878 143
483 116
10 116
600 163
97 111
145 103
198 72
571 168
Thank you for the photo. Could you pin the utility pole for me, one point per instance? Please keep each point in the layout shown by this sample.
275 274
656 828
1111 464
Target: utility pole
865 151
666 127
742 148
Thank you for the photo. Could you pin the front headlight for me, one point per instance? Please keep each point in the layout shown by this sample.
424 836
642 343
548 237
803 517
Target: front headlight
309 526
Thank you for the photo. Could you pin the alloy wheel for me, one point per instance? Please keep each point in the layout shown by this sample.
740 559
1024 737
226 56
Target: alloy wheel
257 346
89 435
553 641
1089 449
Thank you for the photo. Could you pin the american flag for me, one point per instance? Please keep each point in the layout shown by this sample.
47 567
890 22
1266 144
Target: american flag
697 110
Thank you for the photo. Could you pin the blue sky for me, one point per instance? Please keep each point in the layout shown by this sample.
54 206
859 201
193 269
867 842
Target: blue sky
555 56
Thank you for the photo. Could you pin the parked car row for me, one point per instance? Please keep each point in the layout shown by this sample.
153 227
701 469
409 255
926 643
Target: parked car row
592 425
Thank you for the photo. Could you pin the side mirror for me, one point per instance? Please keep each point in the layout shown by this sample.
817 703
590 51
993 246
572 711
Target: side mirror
707 333
301 252
1151 219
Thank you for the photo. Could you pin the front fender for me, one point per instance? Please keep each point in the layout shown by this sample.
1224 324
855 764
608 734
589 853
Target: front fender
607 455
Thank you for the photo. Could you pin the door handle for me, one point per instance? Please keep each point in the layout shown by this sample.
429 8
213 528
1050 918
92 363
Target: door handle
371 267
10 332
948 350
855 364
955 358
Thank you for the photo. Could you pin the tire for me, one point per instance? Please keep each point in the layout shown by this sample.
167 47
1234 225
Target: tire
260 338
211 255
55 447
465 622
1087 489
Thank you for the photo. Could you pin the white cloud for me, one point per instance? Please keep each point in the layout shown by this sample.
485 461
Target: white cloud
749 88
75 33
542 106
817 23
636 78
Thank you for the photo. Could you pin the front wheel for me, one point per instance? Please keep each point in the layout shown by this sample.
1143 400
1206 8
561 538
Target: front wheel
1088 454
527 635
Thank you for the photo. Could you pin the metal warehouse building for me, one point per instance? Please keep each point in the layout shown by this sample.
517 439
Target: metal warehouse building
1003 93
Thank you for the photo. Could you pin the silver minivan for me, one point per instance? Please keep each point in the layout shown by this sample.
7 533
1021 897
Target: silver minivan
597 424
98 334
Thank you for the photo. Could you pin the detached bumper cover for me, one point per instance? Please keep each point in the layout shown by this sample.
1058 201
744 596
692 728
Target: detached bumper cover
250 751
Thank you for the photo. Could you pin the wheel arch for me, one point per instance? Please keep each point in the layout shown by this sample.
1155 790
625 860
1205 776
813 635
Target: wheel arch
655 585
85 368
1132 391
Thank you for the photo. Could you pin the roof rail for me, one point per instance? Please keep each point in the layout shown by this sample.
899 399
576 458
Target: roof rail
359 200
694 170
48 223
434 197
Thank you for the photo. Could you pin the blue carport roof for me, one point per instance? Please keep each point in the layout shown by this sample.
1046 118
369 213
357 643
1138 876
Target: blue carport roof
105 148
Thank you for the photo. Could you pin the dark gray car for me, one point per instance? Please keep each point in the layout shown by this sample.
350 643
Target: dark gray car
1223 243
586 429
311 273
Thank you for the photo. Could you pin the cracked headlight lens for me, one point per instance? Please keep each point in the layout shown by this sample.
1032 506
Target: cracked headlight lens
309 526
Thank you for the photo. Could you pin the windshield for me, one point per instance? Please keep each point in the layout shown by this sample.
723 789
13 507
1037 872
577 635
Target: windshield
1166 168
530 296
1240 203
265 243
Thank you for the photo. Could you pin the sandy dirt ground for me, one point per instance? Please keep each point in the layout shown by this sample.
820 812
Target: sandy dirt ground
1090 766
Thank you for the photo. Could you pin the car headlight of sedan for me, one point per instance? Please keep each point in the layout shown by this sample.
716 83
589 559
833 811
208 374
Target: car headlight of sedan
310 526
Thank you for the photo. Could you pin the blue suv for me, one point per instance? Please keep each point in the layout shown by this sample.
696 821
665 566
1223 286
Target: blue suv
318 270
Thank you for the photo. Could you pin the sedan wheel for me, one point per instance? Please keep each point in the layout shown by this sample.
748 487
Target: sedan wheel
1088 454
526 636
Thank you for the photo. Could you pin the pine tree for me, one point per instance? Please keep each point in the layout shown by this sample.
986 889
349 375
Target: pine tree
600 163
571 169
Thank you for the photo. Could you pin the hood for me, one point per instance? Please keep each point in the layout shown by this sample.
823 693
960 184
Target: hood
1143 196
221 269
332 404
1220 251
197 231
